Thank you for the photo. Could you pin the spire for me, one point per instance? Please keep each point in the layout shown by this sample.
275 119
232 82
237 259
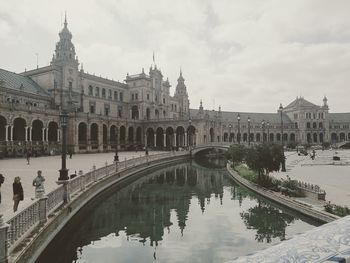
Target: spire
65 20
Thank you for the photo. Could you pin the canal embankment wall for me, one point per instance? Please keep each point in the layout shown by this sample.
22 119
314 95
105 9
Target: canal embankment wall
285 201
30 248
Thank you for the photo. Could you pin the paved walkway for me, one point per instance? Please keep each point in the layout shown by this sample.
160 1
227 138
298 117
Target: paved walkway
334 179
49 165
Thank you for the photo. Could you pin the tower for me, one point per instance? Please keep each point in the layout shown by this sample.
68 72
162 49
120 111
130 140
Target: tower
66 65
182 96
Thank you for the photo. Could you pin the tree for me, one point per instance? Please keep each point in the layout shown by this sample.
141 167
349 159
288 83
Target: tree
236 153
264 158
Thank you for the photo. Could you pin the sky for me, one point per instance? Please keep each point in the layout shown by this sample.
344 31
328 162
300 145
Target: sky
242 55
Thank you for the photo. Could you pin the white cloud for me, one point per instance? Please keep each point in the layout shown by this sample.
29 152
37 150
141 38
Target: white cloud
248 55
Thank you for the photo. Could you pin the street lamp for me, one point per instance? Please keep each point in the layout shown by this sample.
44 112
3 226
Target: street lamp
268 131
263 130
282 143
249 131
229 136
116 157
64 171
239 129
189 133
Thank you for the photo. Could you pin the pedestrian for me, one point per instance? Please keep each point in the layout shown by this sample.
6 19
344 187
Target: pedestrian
17 192
2 179
28 154
38 183
70 154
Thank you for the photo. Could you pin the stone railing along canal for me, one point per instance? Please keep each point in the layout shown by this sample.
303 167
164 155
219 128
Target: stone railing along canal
24 222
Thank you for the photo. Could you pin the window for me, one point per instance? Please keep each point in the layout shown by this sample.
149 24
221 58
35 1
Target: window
132 96
103 93
115 95
164 113
175 108
320 125
314 115
136 96
163 100
106 109
90 91
296 125
109 94
314 125
147 96
120 111
295 116
308 125
156 98
172 107
97 92
92 107
70 85
121 96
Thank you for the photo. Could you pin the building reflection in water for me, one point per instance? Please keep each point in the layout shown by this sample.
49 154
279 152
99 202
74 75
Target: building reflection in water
142 210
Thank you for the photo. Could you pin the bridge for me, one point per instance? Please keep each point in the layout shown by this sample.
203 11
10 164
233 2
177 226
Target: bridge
214 145
341 144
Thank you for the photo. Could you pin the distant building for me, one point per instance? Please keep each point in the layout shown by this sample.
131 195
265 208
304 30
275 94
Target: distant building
136 113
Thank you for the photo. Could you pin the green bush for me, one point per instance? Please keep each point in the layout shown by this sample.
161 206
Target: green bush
337 209
246 173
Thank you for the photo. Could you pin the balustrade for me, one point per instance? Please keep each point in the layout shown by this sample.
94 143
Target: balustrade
23 222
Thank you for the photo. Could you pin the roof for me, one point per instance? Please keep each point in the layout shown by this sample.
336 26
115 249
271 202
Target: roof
21 83
339 117
254 116
301 102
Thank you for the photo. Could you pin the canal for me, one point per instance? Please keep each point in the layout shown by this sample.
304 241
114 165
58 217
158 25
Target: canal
187 212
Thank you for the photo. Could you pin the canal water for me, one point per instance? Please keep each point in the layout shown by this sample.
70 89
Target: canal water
187 212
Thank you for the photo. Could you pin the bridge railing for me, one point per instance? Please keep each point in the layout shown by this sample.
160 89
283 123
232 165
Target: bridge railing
21 225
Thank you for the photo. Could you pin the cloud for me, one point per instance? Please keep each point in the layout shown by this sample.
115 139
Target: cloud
247 55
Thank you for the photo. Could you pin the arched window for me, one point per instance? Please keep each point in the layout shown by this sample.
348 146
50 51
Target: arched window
308 125
115 95
103 93
90 91
97 92
314 125
320 125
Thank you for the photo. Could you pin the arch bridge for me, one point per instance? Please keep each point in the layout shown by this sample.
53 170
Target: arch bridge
214 145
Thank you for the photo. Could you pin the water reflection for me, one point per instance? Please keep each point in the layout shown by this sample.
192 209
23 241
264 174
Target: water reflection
183 213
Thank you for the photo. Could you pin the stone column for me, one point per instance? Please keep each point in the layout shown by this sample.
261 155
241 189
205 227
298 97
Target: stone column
164 139
43 209
155 140
175 139
26 133
6 133
185 139
145 140
30 133
3 240
43 134
195 138
58 135
47 134
11 133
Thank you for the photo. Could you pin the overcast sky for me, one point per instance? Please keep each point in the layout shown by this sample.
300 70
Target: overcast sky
245 55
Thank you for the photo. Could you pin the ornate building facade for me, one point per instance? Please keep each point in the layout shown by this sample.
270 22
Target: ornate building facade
139 112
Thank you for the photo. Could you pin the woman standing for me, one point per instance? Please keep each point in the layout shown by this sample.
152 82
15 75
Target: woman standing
17 192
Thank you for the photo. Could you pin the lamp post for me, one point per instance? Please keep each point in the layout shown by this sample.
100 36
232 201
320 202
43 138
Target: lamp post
64 171
190 142
268 131
116 157
248 131
263 130
239 129
282 143
229 135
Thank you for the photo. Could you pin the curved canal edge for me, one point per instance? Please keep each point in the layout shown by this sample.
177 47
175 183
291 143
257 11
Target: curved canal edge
326 243
34 244
285 201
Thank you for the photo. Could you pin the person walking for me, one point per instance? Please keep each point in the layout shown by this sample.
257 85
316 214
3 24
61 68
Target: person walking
17 192
28 156
38 183
2 179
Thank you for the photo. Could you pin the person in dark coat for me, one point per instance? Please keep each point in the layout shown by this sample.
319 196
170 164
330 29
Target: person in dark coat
17 192
2 179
